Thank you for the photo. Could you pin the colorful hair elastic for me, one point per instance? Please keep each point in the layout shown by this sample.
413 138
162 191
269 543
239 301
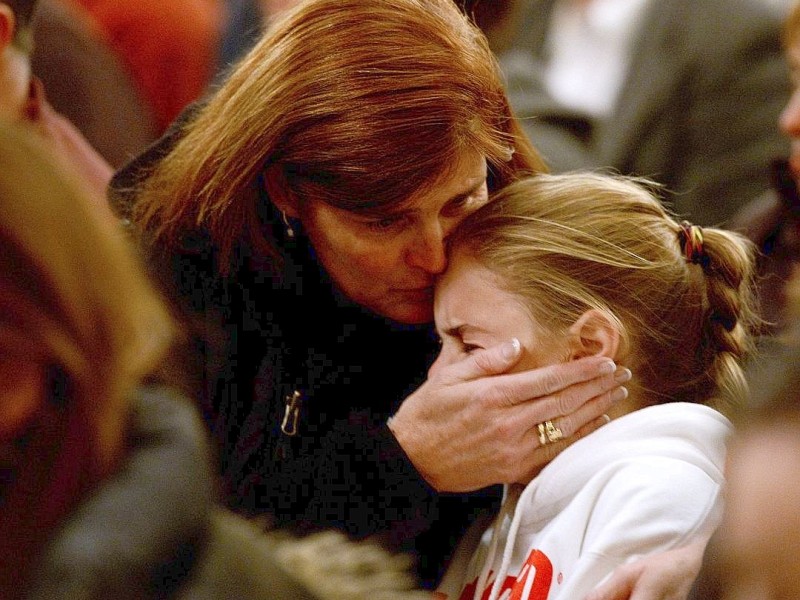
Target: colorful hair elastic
690 238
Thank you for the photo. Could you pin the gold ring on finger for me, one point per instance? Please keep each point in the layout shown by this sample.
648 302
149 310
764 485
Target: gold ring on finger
549 433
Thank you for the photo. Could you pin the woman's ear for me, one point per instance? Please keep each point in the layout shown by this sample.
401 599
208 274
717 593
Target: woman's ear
7 25
278 192
595 333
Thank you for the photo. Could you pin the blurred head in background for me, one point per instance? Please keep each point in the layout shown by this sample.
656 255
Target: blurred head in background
80 327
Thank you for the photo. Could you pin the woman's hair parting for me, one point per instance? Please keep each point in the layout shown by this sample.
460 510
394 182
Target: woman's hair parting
681 296
355 103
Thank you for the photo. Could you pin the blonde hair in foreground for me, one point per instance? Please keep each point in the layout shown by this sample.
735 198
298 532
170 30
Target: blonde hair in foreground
568 243
73 300
72 292
355 103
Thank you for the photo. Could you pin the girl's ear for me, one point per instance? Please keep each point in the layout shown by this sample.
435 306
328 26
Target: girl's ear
595 333
7 26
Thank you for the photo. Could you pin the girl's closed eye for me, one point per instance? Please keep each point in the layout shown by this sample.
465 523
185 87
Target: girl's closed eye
470 348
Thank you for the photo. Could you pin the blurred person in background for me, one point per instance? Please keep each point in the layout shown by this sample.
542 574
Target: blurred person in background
80 332
772 220
245 22
753 554
497 19
684 92
169 48
22 100
88 83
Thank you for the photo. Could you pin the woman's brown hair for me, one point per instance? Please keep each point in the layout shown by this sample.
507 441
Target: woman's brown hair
355 103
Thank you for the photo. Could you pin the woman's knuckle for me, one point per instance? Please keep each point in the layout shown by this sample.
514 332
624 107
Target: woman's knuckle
494 433
565 403
566 425
506 396
553 381
506 428
476 401
483 360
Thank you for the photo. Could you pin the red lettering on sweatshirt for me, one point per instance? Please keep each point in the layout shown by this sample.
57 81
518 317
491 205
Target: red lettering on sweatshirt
532 583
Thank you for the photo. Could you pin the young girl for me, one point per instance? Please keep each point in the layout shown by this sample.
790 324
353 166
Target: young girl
590 264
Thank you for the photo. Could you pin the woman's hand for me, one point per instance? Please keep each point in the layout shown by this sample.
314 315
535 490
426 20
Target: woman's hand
471 425
665 576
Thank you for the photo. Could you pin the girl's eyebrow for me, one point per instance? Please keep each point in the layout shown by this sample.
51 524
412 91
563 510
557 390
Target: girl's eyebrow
455 331
459 330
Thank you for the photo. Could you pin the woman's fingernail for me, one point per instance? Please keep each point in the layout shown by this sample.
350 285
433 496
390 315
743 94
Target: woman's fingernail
619 394
606 367
511 349
622 375
607 419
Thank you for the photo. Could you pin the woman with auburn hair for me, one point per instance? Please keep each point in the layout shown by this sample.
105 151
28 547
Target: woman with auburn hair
298 218
585 264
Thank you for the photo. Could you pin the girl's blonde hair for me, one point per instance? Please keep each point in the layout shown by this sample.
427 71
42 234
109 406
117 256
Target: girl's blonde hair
74 300
573 242
355 103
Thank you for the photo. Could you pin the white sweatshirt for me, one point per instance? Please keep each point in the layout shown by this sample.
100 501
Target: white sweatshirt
642 484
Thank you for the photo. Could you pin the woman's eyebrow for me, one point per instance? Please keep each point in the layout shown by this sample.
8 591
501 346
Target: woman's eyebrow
469 192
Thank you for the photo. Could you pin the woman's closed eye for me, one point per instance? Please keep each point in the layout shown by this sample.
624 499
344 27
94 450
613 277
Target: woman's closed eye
467 203
386 224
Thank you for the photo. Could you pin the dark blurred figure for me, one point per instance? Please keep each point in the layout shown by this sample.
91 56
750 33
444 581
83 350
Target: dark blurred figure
169 48
86 82
79 330
497 19
245 21
753 555
685 92
772 220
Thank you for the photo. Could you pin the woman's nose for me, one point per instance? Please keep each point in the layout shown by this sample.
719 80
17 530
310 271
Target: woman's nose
428 251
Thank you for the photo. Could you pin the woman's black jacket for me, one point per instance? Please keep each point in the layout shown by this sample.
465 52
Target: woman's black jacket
271 328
